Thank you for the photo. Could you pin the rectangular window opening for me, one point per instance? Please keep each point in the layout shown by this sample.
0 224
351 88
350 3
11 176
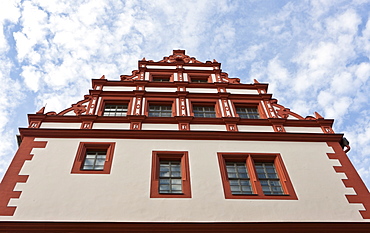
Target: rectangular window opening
247 112
170 180
204 111
255 176
93 158
160 110
197 79
170 175
238 178
161 79
269 179
115 110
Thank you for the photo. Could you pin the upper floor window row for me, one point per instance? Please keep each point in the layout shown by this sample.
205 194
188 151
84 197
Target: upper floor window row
190 78
201 110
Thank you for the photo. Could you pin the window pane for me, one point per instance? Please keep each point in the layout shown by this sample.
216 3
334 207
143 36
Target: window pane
269 178
164 174
160 111
204 111
115 110
164 181
170 177
247 112
94 160
238 178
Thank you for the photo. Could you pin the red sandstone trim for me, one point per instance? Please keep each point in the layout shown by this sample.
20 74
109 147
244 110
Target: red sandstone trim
12 177
187 135
250 159
81 155
172 155
185 227
353 180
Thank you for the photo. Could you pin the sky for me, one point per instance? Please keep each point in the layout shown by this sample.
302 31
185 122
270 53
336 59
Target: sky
315 54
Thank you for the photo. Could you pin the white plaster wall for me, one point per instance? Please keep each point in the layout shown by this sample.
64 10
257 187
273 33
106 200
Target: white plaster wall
196 127
146 126
197 68
160 67
162 89
111 126
303 129
52 193
119 88
52 125
254 128
242 91
202 90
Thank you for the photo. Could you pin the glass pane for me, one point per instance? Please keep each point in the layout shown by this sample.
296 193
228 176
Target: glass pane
246 188
99 167
89 162
176 187
234 182
164 187
245 182
87 167
264 182
164 168
164 181
231 175
176 168
234 188
100 162
164 174
176 191
230 168
175 174
176 181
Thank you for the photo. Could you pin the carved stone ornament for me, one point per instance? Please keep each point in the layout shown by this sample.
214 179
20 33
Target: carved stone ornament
179 56
78 109
129 77
231 80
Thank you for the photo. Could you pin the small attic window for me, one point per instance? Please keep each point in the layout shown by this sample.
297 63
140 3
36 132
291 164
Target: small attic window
199 79
161 78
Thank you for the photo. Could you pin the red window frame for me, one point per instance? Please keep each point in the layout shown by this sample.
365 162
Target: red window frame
159 75
161 102
181 156
205 104
207 78
250 159
253 104
81 155
113 101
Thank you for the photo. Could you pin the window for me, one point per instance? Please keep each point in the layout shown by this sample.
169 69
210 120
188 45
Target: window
161 79
115 110
160 110
170 175
247 112
204 111
238 178
199 79
255 176
268 178
94 158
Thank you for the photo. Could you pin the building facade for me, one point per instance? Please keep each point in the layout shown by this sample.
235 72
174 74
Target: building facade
179 142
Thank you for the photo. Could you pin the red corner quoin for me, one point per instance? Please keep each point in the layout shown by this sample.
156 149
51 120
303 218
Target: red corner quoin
12 177
353 180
